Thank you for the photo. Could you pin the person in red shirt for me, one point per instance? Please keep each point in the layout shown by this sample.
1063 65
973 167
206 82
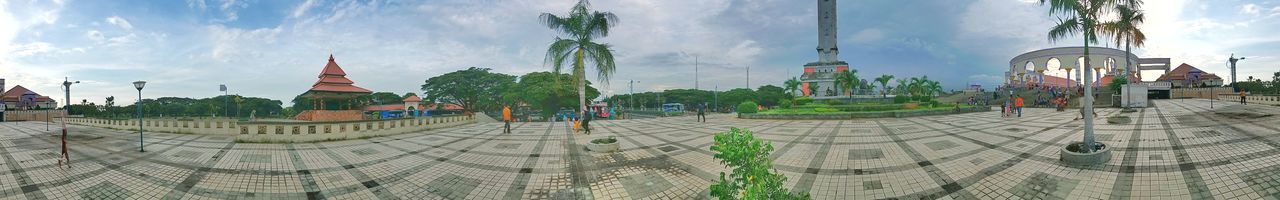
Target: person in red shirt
1017 104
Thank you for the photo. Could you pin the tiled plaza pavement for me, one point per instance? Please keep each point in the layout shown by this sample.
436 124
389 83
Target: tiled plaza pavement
1177 150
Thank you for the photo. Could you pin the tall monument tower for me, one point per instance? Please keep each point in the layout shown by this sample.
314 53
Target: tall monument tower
827 51
818 80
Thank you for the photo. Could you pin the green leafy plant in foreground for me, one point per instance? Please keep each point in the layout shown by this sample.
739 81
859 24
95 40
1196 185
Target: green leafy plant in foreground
753 175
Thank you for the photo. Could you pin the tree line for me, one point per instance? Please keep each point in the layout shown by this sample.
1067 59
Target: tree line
221 106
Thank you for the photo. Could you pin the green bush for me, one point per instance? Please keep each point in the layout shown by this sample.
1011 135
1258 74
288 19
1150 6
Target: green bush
785 104
803 101
753 175
826 110
925 98
747 107
934 103
901 99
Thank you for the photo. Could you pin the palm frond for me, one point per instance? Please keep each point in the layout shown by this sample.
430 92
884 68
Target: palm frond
602 56
1064 28
558 54
598 24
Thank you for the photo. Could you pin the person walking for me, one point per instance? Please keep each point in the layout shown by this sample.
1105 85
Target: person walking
1242 97
506 119
586 123
65 156
702 112
1017 104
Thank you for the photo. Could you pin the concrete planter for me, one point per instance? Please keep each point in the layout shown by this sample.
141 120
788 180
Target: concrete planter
603 147
1070 157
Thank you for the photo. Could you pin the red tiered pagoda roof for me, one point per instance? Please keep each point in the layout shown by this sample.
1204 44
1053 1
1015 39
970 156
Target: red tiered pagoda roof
333 79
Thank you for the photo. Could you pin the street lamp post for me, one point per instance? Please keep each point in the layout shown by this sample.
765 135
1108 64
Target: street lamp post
139 84
226 102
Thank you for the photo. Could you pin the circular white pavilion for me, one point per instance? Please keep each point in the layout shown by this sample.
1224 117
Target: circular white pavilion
1036 66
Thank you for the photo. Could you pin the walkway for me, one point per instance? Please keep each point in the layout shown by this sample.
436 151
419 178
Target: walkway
1178 150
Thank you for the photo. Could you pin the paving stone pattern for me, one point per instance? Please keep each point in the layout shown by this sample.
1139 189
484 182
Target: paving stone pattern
1179 149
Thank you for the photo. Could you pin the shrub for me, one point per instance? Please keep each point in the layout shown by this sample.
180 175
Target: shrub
826 110
747 107
785 104
901 99
934 103
925 98
608 140
803 100
753 175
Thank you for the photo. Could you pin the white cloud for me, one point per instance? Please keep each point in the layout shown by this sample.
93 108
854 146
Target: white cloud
302 8
868 35
33 49
121 22
1251 9
95 35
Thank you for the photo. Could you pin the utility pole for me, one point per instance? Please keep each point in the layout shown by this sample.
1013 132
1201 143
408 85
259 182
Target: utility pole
1233 60
695 72
632 94
748 77
715 97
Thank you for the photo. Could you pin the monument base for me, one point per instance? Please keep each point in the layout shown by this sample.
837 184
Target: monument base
330 115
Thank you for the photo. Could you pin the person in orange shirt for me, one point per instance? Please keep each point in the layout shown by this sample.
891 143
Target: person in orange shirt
506 119
1017 104
1242 97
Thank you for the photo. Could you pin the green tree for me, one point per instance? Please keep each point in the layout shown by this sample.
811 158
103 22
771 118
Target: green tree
847 81
791 86
737 96
884 84
1080 17
753 176
474 88
1125 28
770 95
543 91
582 26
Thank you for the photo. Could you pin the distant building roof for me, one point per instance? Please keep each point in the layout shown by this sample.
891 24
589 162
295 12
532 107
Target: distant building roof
447 106
412 98
334 79
1182 71
15 94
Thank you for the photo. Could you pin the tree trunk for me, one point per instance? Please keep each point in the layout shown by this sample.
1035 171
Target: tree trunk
1125 70
1087 109
581 74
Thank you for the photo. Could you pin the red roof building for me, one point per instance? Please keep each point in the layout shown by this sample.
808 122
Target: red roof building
333 89
1186 75
22 98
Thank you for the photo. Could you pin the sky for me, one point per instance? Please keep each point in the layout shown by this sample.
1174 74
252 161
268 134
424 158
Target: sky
276 48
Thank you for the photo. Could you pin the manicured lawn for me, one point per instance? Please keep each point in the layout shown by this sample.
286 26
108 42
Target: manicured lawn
854 108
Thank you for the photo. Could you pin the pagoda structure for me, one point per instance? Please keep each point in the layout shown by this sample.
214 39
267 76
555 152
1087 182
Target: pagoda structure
333 96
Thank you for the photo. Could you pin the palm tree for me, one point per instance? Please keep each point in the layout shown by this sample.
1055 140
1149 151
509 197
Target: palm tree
792 84
932 88
1125 29
847 81
813 88
884 84
1080 17
904 87
582 26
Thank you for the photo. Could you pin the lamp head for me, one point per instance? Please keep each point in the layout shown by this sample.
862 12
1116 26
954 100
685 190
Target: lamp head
139 84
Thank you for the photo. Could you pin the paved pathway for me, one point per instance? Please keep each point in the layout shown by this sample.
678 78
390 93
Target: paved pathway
1178 150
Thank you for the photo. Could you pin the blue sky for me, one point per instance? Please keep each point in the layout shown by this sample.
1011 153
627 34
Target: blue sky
275 49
